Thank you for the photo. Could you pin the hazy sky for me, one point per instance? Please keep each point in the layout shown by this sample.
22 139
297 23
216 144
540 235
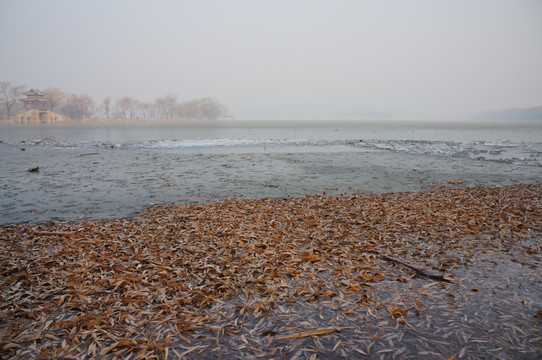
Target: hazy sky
425 59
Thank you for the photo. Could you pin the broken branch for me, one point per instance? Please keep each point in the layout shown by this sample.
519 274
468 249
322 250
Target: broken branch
418 271
302 334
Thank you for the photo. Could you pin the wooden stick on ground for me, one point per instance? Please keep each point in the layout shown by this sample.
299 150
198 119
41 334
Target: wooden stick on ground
417 270
53 233
302 334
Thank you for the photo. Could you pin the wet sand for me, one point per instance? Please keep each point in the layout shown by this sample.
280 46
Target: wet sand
75 183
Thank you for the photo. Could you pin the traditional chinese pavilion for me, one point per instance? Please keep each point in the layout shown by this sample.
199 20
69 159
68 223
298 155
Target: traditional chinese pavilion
35 100
36 110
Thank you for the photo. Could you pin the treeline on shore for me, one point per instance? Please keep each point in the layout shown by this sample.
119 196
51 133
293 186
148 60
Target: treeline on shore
82 106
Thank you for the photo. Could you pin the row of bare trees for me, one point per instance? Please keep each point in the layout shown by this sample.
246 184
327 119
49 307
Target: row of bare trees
83 106
167 107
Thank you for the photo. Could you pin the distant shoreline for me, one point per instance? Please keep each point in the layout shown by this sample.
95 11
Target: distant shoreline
112 120
221 122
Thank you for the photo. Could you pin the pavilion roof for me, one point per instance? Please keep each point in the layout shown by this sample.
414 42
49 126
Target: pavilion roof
34 92
33 98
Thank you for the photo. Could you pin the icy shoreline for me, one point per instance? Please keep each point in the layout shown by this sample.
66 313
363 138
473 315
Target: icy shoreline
100 183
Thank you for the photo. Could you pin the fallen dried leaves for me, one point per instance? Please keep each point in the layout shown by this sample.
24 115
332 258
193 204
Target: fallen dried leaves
225 278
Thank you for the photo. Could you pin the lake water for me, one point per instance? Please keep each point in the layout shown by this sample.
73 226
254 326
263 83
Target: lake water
107 170
520 143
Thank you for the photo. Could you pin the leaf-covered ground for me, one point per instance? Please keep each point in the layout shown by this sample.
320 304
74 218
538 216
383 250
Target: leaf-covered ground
447 273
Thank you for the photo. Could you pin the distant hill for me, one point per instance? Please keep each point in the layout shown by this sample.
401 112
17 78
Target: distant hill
524 114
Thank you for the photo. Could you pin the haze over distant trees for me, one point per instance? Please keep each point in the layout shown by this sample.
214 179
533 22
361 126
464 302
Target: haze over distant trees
10 95
82 106
524 114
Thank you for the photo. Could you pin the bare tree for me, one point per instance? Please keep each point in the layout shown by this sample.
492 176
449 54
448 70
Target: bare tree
167 105
78 107
211 109
147 110
54 96
135 108
9 95
189 110
126 107
106 103
205 108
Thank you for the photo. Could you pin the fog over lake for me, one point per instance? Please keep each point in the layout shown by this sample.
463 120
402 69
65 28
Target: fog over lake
277 60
